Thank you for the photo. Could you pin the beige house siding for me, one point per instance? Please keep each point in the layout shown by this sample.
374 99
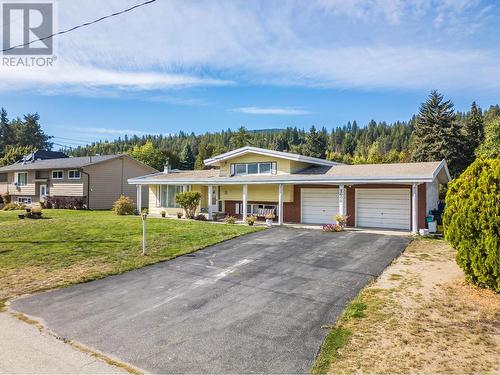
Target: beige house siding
4 187
256 193
108 180
66 187
25 191
153 201
283 166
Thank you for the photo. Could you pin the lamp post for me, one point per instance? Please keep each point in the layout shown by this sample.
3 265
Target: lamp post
144 216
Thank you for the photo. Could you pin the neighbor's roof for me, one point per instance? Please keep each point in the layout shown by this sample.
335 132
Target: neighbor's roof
62 163
348 174
262 151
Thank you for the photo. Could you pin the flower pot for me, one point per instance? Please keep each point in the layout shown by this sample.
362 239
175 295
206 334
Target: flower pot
20 216
163 215
269 222
250 223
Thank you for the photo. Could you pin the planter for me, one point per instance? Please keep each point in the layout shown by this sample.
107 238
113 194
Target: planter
179 215
163 215
20 216
269 222
250 223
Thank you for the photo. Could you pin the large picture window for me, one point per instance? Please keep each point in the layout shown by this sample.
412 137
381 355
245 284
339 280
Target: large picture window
167 195
253 168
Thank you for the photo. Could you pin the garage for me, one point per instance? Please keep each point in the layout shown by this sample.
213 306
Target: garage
319 205
383 208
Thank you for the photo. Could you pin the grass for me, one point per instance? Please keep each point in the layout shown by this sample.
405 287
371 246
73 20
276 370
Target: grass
338 337
68 247
419 316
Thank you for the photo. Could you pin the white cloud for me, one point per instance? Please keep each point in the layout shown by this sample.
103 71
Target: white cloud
286 111
109 131
182 44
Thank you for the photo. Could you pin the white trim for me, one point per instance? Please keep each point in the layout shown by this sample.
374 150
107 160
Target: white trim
342 200
245 201
75 178
280 204
57 178
261 151
441 165
40 191
19 200
16 178
414 208
139 199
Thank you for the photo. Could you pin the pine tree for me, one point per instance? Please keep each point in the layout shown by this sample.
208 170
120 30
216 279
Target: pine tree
491 146
474 131
315 144
186 158
5 131
241 138
437 134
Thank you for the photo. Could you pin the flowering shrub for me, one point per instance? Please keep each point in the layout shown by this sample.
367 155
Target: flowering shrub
230 219
332 228
124 206
341 220
72 203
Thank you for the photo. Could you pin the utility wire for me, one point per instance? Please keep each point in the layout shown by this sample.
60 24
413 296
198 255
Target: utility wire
81 25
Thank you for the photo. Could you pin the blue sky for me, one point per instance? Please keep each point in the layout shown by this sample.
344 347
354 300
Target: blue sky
205 66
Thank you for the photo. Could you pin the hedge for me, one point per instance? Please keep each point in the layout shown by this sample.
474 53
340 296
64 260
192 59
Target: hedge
472 221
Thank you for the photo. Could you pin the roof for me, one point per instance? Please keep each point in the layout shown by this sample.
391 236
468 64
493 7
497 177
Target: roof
348 174
62 163
215 161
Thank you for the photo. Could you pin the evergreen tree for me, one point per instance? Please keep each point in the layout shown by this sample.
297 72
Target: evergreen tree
205 151
491 146
186 158
474 131
315 144
28 132
5 131
241 138
437 134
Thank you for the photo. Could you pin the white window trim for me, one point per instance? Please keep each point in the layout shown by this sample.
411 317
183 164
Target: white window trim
271 168
160 187
17 178
74 178
28 199
57 178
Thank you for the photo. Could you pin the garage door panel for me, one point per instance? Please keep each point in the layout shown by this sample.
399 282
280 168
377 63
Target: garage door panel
383 208
319 205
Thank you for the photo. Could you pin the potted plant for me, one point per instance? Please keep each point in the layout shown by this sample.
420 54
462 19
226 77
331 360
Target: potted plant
250 220
341 220
179 215
269 219
163 213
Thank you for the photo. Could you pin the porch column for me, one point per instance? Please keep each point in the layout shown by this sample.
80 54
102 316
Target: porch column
414 208
209 201
139 198
280 204
342 200
245 200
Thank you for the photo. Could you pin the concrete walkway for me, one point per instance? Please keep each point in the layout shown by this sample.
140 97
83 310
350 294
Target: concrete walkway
24 349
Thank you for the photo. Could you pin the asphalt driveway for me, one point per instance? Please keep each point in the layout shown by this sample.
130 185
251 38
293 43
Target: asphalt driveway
254 304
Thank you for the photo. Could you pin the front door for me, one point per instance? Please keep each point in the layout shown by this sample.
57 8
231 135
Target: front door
43 192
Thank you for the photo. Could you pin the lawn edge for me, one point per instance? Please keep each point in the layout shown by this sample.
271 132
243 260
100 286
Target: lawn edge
338 336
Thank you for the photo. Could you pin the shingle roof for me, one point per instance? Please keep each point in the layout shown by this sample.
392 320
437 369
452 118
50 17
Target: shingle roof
62 163
398 172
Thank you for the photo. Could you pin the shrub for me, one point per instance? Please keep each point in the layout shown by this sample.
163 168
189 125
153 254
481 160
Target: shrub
201 217
6 198
472 221
341 220
124 206
230 219
189 200
13 206
332 228
63 202
250 219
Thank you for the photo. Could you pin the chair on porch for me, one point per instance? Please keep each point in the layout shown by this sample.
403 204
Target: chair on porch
263 212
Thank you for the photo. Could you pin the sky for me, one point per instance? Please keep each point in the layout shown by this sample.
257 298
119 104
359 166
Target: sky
199 66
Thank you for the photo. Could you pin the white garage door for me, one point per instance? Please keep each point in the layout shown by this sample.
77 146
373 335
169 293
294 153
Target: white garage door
383 208
319 205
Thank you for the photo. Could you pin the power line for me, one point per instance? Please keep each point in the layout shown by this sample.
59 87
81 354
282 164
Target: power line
81 25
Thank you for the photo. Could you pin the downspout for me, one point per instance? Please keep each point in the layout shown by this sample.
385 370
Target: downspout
88 188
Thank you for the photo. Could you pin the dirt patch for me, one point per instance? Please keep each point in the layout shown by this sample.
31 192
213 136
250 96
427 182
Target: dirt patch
421 316
35 279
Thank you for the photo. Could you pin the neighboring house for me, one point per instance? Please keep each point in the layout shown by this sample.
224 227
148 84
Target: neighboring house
301 189
100 180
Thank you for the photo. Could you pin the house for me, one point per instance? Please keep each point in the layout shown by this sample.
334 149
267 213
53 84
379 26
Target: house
100 180
302 189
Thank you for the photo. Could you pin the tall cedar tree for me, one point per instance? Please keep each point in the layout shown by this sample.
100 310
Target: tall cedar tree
186 158
474 131
437 134
315 145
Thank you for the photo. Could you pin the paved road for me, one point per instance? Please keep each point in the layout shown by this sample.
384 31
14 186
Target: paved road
255 304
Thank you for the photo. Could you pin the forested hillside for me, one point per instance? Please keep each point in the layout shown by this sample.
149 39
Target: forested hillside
436 132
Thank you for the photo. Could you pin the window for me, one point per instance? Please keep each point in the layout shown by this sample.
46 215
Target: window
22 178
24 200
74 174
57 175
253 168
4 177
167 195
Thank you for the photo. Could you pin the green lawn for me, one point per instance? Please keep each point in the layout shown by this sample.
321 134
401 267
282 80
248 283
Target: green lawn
68 247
